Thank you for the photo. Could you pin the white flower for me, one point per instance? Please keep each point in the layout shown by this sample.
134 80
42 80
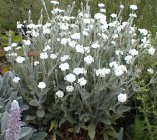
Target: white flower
121 6
101 5
64 41
28 32
64 27
43 55
64 66
122 97
7 48
18 48
26 42
79 71
47 47
102 10
132 15
105 37
12 54
123 68
82 81
53 56
99 16
119 52
115 36
85 33
16 79
151 51
119 70
54 2
133 52
112 24
86 21
79 48
72 44
41 85
113 15
31 26
144 40
102 72
46 31
128 59
89 59
69 88
47 25
20 59
19 26
150 71
75 36
56 11
34 33
64 58
143 31
60 94
95 45
14 44
113 64
133 7
36 63
70 77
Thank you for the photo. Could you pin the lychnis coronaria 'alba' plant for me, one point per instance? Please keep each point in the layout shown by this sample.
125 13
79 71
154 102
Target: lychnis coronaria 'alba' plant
79 69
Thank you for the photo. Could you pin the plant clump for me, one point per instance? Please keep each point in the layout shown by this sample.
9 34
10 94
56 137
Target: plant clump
78 71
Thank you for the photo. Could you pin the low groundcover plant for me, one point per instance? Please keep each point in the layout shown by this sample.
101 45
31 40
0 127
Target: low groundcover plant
78 70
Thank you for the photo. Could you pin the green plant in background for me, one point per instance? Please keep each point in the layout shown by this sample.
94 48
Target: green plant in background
147 13
5 36
138 130
145 123
17 10
4 65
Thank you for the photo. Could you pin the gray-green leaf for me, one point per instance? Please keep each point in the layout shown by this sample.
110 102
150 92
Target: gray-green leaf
91 131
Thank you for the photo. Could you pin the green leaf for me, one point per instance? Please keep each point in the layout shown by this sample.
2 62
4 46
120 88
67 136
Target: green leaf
13 96
105 120
30 118
24 107
34 102
54 125
122 109
91 131
42 98
112 133
40 113
1 83
39 136
4 121
26 133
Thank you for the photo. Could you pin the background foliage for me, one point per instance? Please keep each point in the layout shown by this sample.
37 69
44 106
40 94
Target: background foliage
12 11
